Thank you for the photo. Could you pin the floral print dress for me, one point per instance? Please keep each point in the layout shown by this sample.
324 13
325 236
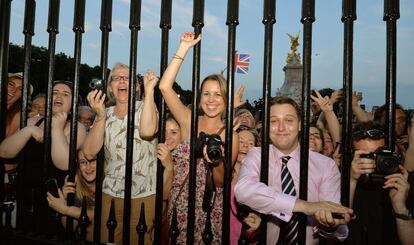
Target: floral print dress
181 156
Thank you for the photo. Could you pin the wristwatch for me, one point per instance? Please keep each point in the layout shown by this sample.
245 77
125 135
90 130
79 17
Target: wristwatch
406 216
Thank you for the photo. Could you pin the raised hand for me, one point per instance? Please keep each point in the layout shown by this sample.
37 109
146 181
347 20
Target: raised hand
337 155
323 102
335 96
150 80
96 99
355 99
189 40
238 101
59 120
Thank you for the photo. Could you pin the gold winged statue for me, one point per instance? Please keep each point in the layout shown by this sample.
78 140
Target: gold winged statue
293 57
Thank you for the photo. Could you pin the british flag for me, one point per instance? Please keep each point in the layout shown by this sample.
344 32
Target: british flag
241 63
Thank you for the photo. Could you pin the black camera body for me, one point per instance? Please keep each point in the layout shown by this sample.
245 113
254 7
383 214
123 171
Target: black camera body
386 163
96 83
213 143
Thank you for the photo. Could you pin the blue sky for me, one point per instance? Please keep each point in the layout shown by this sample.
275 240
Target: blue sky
369 41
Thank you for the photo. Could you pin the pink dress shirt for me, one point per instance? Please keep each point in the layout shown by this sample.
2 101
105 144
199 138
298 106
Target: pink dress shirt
324 183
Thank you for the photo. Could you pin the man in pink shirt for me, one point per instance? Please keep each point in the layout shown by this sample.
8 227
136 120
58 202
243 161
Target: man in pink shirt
323 185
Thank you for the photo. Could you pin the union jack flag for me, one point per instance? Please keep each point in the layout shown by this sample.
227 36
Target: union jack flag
241 63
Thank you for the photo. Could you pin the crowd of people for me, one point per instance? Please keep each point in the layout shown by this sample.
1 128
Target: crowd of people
381 200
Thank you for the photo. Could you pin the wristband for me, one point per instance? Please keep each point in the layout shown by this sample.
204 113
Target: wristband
407 216
178 57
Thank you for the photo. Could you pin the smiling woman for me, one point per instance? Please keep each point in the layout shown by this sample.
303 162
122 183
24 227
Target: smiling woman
110 130
213 99
29 141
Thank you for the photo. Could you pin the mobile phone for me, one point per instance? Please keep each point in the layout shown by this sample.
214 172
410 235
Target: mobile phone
52 187
340 216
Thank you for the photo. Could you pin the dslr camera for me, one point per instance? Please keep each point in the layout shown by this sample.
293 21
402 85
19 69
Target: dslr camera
386 163
96 83
213 143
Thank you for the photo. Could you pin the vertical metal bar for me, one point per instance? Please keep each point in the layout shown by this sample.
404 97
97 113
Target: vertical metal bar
134 26
142 226
83 220
165 25
348 18
78 28
391 15
232 22
198 23
5 7
105 26
53 29
28 31
269 19
308 17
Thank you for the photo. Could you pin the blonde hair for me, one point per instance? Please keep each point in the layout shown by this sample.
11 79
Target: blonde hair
82 188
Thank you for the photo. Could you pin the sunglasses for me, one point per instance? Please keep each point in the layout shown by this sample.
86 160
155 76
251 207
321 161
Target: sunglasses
371 133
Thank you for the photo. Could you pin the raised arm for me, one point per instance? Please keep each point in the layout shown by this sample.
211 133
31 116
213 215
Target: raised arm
61 138
361 115
177 108
327 108
12 145
95 138
148 125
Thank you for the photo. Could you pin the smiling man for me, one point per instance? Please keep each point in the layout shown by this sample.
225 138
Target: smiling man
279 199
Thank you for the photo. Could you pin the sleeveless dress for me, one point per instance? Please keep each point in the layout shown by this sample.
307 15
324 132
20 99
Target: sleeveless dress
181 156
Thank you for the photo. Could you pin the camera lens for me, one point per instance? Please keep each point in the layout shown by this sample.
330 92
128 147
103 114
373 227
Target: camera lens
96 84
214 153
214 148
387 164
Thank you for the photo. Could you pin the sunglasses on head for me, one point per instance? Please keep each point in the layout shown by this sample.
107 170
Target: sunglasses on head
370 133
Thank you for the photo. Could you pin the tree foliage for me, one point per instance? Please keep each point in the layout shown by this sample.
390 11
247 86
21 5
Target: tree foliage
64 70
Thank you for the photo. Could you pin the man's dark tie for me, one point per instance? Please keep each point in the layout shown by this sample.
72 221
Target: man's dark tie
289 231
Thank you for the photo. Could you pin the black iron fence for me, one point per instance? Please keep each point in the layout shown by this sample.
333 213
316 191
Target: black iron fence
28 222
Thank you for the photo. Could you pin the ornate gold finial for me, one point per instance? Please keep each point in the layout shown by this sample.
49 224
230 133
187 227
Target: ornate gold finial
293 57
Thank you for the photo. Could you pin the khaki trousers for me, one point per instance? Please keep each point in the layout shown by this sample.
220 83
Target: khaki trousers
149 203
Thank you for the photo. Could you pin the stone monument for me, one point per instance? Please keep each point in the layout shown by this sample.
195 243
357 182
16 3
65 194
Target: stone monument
292 86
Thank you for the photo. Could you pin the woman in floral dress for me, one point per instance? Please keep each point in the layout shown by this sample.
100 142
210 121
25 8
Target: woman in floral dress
212 104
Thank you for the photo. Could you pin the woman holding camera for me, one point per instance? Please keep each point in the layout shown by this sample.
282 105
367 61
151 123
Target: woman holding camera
110 130
212 104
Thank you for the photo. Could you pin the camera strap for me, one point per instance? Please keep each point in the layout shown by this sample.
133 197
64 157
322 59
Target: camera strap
209 192
180 191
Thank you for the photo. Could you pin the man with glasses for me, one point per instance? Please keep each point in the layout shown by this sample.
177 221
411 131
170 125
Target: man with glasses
382 201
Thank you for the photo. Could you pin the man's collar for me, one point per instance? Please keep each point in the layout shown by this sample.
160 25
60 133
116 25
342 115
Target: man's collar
295 154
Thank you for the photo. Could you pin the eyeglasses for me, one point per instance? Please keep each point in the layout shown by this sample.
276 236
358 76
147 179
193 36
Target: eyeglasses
315 135
85 162
118 78
371 133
